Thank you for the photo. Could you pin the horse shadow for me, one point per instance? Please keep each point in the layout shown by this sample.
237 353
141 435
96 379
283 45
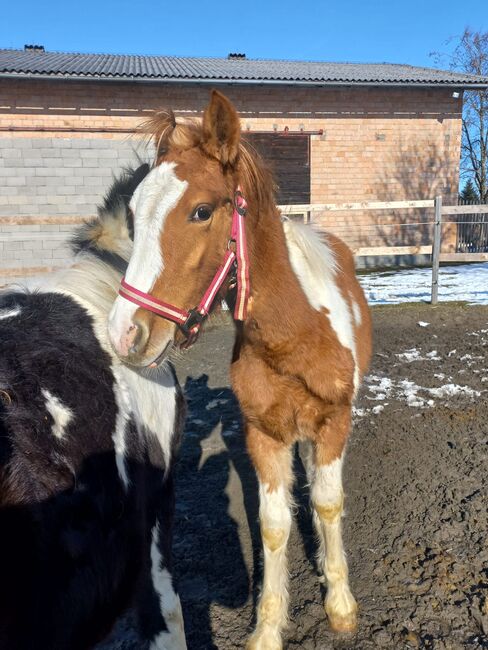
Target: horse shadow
213 566
208 554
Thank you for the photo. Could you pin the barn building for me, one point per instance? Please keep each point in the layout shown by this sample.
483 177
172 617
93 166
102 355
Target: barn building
333 132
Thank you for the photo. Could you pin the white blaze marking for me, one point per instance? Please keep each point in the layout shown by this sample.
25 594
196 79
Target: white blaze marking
9 313
152 201
60 413
315 266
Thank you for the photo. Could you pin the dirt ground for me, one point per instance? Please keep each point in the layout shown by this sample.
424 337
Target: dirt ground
416 497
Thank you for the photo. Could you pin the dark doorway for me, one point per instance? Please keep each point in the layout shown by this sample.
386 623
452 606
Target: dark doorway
289 158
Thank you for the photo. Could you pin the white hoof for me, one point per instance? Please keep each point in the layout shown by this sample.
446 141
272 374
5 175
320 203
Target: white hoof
342 611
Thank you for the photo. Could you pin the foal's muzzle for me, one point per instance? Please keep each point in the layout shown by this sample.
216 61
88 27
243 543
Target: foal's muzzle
136 339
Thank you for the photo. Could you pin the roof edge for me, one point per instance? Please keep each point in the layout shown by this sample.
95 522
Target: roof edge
257 82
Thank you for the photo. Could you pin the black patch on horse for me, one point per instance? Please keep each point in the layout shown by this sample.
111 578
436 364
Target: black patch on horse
115 206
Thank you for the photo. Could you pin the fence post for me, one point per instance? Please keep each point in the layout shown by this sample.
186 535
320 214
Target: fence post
436 249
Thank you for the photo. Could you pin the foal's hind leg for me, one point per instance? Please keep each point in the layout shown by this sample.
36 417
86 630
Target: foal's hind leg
327 500
272 461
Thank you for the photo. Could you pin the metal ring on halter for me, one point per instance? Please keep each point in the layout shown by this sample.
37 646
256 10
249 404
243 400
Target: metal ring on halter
240 207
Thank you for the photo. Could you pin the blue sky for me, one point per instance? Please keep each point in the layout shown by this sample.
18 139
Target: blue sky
347 30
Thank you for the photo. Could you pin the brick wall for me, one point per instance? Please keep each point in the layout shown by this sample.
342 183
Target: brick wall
60 142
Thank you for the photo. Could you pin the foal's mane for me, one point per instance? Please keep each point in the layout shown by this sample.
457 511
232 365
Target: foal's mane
109 235
253 174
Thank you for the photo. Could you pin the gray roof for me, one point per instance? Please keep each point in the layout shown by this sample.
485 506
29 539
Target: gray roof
121 67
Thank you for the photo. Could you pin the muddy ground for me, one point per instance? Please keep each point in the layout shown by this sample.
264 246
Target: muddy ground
415 480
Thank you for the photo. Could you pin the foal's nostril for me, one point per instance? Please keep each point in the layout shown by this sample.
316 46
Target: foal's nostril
138 335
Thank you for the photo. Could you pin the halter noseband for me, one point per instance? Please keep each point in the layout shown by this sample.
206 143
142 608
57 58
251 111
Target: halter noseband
235 260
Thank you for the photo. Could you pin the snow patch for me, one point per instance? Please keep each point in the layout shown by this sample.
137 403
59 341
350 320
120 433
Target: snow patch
467 282
414 355
449 390
384 388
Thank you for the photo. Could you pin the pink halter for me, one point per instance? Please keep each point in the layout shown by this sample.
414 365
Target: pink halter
234 261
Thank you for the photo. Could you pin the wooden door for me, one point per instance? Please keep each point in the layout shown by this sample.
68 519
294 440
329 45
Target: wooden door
289 158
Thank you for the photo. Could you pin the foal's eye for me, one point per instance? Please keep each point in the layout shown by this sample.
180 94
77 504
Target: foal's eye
202 213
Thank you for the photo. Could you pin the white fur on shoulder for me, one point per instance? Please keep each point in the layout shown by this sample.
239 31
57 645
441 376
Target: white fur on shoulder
315 266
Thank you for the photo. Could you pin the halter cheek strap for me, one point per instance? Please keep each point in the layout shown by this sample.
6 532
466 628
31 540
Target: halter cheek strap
242 260
236 259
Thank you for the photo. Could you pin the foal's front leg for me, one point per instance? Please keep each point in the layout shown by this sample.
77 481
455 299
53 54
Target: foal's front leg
272 461
328 502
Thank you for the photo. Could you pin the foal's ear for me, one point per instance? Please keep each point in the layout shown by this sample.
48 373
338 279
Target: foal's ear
221 129
161 126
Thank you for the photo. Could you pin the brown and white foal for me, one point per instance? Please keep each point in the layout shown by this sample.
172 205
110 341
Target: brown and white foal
299 353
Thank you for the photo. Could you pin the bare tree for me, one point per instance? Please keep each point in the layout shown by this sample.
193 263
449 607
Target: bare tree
471 55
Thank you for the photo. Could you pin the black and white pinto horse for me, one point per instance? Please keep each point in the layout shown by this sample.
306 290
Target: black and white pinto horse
87 448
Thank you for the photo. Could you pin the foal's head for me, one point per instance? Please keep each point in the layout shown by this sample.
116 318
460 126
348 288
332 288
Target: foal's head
182 221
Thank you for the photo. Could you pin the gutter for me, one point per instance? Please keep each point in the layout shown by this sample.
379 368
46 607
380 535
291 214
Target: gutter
254 82
115 129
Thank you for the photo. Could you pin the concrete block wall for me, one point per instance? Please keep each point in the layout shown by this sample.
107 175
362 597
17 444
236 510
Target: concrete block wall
45 182
30 249
54 176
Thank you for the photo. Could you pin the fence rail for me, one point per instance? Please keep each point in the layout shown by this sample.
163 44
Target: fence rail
465 209
364 205
427 227
471 233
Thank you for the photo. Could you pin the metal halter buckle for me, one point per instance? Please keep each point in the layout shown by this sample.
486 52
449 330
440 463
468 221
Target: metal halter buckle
194 318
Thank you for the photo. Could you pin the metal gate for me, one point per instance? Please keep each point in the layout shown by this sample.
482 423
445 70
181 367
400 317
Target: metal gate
472 233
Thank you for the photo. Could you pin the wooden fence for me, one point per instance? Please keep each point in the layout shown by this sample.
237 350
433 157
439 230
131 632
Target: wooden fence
470 253
32 245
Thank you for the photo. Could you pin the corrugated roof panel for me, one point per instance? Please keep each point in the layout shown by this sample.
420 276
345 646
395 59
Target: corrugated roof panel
120 66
